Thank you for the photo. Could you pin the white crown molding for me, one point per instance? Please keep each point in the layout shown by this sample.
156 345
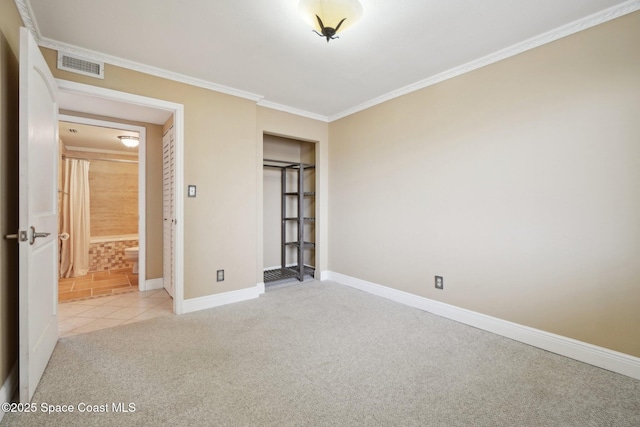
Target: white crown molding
147 69
584 352
24 8
548 37
582 24
291 110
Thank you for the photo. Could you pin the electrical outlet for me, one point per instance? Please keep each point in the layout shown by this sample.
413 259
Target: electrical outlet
439 282
220 275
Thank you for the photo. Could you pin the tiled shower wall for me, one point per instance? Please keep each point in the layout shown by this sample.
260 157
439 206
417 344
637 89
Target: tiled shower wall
109 255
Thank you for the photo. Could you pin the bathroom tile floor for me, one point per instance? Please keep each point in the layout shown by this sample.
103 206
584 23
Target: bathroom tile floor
77 317
97 283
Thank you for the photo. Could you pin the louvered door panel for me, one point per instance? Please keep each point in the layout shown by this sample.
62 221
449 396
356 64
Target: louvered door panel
168 202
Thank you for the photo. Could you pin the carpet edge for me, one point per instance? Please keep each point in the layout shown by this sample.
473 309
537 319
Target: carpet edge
578 350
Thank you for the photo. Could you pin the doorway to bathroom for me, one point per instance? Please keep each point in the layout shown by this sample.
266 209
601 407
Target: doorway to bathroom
101 200
123 235
91 101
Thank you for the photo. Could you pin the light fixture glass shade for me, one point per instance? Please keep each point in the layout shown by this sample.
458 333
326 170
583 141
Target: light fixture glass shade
331 12
129 141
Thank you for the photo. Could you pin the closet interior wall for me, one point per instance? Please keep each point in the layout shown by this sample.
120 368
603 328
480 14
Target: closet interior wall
288 152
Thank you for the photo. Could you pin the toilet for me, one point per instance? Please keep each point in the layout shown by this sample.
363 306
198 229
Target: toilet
131 255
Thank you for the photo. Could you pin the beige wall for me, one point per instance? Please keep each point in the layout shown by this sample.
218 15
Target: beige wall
153 183
9 54
517 182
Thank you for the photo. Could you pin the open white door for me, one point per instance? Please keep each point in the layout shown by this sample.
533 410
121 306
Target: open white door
38 215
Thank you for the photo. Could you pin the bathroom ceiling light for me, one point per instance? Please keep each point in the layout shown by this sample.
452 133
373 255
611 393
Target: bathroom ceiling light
327 17
129 141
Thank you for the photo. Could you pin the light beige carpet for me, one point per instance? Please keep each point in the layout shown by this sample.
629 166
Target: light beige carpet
321 354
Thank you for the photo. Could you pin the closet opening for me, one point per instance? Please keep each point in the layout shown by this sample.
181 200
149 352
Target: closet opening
289 189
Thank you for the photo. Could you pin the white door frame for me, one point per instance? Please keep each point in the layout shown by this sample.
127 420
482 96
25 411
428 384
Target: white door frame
142 210
178 122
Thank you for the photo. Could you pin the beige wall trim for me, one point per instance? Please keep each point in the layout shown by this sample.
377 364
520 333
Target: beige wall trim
9 387
548 37
574 349
152 284
297 112
216 300
30 23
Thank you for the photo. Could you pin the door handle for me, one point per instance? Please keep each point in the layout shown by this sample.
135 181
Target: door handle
35 235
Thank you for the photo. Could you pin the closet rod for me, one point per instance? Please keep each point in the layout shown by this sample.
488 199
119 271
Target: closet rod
101 160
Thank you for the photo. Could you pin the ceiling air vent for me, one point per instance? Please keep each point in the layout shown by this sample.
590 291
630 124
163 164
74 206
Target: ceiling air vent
77 64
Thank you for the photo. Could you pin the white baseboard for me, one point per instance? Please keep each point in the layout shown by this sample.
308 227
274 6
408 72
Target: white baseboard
260 287
324 275
216 300
152 284
588 353
9 387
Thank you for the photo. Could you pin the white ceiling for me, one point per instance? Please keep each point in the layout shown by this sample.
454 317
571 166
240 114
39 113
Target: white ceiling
263 47
95 138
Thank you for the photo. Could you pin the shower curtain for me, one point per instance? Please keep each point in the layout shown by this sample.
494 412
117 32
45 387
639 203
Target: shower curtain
74 252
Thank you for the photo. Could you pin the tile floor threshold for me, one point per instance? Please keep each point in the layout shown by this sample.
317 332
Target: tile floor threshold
97 283
87 315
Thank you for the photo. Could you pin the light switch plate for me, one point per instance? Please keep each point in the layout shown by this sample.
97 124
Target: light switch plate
191 191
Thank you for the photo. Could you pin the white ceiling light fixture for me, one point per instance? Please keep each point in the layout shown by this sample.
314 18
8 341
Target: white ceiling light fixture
129 141
328 17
